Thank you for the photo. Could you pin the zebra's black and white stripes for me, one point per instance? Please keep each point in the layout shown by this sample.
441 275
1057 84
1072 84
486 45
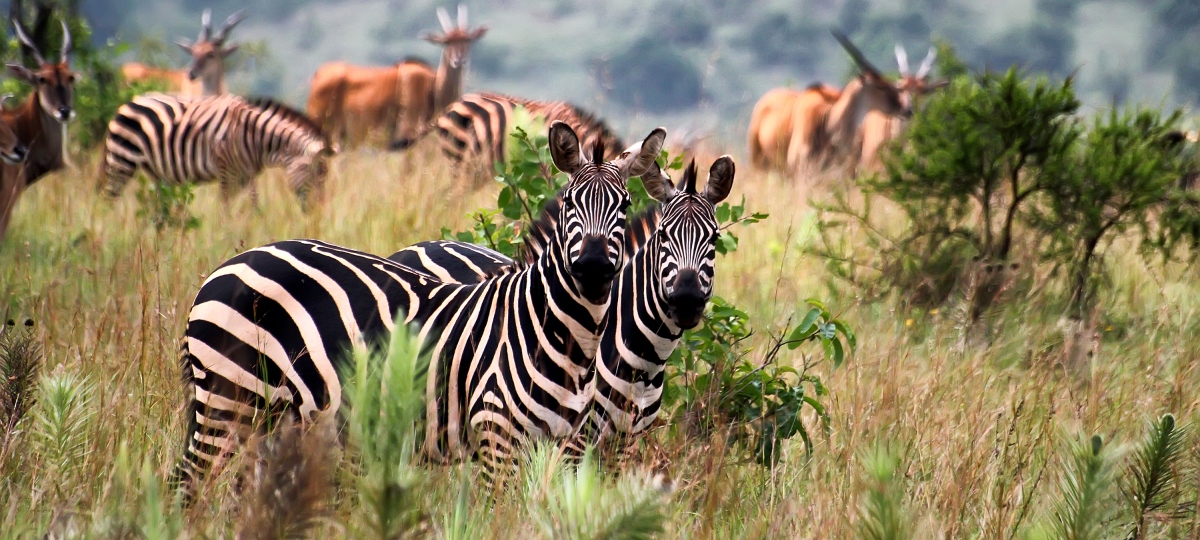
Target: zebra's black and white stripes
661 291
476 128
269 327
221 138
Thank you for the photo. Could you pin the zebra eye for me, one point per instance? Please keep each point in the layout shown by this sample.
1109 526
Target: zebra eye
625 205
716 236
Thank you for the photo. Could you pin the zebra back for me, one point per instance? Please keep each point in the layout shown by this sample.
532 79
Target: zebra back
477 126
227 138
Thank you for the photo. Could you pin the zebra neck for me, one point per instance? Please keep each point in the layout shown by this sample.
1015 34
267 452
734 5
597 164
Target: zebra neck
638 338
582 318
645 332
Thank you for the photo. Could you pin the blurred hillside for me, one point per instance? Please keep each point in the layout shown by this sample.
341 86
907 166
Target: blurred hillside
696 65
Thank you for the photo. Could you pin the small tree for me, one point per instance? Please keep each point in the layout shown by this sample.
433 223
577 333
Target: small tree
1120 173
975 157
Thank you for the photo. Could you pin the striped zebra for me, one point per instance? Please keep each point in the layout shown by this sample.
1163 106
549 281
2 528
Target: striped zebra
476 128
225 138
270 328
661 291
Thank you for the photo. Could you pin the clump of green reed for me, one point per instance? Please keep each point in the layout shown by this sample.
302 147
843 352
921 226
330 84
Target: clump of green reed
881 512
578 502
61 419
384 397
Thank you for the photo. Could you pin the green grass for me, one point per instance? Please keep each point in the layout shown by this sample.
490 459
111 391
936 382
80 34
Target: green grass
978 435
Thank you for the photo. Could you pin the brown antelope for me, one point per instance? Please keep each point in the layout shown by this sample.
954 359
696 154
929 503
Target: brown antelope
878 128
205 75
825 134
349 101
771 125
40 123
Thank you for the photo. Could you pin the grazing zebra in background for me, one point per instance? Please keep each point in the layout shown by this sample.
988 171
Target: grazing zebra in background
662 290
270 328
476 128
226 138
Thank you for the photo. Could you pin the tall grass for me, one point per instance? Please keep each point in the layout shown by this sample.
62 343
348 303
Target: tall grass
980 432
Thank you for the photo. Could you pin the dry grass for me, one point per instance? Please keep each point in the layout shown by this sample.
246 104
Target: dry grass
979 432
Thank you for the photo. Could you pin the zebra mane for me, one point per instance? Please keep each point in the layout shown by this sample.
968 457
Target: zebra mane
278 107
638 229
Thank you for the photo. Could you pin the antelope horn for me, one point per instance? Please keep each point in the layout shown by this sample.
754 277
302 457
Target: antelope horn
902 59
66 46
205 25
37 55
230 22
927 63
444 18
462 16
856 54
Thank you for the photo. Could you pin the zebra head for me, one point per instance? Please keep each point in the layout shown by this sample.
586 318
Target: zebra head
591 224
686 238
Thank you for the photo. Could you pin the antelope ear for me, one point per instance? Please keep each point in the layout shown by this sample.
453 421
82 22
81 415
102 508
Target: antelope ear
658 184
637 159
185 45
720 180
564 148
478 32
23 73
230 49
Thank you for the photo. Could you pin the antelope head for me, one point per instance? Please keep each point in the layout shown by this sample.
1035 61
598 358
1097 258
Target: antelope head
54 82
209 51
911 85
456 39
880 92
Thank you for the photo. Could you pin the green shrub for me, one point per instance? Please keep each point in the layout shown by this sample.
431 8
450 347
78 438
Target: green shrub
974 159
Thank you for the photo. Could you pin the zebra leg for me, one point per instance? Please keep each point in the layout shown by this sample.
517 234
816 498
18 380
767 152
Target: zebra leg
115 173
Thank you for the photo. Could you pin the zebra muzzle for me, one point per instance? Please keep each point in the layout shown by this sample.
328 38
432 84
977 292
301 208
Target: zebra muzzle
593 271
686 301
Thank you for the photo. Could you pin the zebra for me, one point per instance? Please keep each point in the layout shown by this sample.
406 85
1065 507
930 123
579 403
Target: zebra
225 138
661 291
269 328
475 129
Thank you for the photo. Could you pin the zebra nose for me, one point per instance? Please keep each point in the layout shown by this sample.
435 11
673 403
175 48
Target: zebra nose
686 301
592 269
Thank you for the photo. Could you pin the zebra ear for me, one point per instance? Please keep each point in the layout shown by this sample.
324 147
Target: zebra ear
636 160
658 184
720 180
564 148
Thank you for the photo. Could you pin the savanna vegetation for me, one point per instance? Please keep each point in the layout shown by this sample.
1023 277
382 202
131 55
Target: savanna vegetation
1002 348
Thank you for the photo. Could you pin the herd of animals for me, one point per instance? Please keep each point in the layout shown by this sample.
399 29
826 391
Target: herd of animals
569 341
